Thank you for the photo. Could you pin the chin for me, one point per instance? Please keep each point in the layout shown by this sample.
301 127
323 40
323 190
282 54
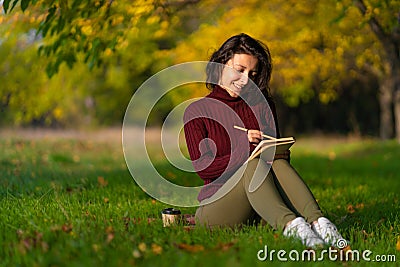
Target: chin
233 94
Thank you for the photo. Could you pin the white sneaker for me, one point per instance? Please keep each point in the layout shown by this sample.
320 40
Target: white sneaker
299 228
326 230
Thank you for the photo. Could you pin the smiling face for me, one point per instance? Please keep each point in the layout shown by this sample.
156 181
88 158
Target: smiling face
237 72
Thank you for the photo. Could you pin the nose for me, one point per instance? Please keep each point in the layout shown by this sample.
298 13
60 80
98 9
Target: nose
244 78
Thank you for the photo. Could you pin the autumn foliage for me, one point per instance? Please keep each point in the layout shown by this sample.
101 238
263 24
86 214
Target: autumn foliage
327 54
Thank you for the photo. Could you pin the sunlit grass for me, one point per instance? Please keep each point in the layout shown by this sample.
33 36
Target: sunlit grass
72 202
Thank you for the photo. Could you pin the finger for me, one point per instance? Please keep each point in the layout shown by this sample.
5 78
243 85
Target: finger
254 137
255 134
254 141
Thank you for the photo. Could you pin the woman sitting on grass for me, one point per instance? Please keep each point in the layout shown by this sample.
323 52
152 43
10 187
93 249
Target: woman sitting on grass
218 151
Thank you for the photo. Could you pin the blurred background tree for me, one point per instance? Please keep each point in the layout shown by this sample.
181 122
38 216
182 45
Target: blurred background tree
336 63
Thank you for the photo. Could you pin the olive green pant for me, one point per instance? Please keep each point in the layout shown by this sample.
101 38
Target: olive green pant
281 197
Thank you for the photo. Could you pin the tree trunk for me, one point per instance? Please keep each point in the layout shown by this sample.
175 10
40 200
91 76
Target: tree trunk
396 104
385 103
390 85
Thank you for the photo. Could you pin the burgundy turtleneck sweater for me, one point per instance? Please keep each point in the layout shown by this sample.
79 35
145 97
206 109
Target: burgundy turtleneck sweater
215 147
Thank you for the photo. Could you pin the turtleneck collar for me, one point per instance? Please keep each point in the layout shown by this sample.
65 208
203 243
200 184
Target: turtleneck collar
221 94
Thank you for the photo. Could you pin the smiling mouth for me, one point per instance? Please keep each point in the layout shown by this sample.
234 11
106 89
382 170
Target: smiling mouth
237 87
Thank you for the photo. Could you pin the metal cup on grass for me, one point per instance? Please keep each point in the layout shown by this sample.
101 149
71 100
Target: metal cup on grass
170 216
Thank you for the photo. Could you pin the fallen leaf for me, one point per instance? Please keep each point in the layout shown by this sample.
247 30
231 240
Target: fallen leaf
95 247
136 253
350 208
190 248
346 248
101 181
142 247
109 229
342 253
110 237
66 228
110 233
225 246
360 206
398 244
106 200
150 220
366 235
157 249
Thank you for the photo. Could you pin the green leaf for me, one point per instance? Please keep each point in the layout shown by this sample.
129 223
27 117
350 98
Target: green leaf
40 50
24 4
6 5
70 59
14 4
46 25
50 70
60 24
50 16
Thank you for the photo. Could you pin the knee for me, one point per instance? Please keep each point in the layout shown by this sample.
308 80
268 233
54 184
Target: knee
251 168
257 169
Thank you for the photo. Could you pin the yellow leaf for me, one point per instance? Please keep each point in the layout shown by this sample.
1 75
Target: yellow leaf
190 248
58 113
350 208
142 247
156 249
398 244
108 52
102 182
87 30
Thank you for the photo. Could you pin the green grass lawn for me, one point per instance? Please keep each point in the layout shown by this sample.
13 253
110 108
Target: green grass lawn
72 202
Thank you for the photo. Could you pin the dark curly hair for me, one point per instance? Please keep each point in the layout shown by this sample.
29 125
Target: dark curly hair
241 44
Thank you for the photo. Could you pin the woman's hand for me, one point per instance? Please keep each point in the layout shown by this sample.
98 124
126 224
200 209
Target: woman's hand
254 136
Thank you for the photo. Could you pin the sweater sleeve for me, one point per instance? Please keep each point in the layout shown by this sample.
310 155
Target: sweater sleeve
202 149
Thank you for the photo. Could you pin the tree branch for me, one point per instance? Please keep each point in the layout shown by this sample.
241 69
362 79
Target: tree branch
389 42
374 24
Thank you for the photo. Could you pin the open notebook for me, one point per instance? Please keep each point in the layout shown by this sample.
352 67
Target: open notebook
267 149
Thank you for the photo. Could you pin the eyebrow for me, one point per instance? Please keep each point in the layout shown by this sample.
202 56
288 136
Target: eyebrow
237 64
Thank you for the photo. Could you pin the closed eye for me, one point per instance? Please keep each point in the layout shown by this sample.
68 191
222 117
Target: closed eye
241 70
